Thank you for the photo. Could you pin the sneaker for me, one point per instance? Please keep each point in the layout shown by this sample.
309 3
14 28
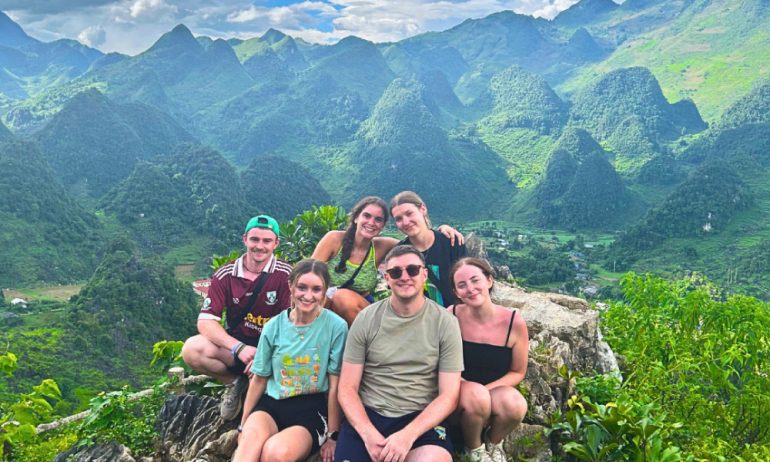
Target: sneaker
477 455
496 452
232 398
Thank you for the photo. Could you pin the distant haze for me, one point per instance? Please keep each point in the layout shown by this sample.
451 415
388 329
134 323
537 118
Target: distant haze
131 26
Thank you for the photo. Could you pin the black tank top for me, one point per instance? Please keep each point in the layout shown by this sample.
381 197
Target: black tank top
485 363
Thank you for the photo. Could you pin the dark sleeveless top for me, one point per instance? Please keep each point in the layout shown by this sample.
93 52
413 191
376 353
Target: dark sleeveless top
485 363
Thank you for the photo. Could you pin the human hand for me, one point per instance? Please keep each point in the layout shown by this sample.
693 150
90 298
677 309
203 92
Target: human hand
453 235
247 357
396 447
374 443
327 450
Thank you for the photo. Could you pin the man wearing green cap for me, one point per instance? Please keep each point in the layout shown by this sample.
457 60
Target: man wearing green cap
251 290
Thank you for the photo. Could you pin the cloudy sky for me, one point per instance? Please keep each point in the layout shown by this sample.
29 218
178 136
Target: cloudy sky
131 26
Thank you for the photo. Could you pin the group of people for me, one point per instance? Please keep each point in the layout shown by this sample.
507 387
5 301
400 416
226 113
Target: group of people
328 369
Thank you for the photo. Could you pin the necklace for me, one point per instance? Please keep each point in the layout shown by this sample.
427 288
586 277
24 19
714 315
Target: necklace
302 330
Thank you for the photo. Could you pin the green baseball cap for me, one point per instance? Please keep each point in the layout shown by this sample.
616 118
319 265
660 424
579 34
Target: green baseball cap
264 221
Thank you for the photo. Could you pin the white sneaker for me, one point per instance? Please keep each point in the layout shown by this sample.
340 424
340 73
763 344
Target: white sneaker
496 452
477 455
232 398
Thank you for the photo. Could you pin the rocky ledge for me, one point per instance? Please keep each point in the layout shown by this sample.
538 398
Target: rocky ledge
563 330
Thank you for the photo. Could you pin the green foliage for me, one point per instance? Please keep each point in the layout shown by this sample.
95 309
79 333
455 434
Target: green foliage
634 92
18 419
526 101
167 354
8 363
174 198
617 431
701 359
117 416
45 447
44 234
218 260
300 235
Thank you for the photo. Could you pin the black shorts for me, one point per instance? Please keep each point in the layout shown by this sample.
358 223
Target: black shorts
351 448
238 368
307 411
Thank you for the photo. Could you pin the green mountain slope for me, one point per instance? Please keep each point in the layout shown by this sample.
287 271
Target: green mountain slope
585 12
705 203
165 203
30 66
634 92
94 143
402 147
711 51
522 115
580 189
45 236
280 188
741 135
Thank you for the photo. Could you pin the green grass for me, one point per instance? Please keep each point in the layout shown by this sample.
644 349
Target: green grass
526 151
713 57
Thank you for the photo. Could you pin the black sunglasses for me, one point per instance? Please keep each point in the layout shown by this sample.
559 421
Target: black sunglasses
397 271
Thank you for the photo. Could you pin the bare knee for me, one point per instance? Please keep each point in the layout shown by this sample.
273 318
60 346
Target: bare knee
193 349
348 304
509 404
272 452
474 399
429 452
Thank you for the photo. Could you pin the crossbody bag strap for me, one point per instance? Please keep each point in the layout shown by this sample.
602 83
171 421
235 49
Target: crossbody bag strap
250 303
352 278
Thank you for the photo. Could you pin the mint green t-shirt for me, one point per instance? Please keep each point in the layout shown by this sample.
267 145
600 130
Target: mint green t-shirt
296 366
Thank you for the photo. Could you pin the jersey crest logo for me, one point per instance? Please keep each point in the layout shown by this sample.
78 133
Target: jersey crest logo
206 303
236 300
271 297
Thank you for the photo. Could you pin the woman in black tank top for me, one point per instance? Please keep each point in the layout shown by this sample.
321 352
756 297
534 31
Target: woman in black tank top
495 349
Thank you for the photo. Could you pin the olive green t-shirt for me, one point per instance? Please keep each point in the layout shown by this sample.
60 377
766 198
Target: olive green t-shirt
402 356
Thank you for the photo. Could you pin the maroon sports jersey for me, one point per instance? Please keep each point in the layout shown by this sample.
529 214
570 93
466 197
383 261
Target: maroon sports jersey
229 289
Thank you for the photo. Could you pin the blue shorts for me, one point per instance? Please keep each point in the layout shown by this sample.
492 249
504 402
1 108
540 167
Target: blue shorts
351 448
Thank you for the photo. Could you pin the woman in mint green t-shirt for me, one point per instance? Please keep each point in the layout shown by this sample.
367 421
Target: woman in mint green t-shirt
291 408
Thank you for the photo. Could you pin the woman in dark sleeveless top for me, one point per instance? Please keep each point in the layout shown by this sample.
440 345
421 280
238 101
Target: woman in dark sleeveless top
495 349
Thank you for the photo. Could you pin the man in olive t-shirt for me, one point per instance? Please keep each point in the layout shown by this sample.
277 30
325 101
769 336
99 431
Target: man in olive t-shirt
401 372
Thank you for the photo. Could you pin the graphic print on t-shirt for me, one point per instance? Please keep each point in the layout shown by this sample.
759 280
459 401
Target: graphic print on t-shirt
430 290
299 374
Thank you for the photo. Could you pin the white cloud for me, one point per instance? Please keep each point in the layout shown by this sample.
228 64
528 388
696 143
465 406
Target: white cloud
130 26
150 8
296 16
93 36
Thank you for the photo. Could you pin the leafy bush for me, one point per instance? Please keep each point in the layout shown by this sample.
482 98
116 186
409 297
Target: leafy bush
115 416
19 419
300 236
617 431
701 359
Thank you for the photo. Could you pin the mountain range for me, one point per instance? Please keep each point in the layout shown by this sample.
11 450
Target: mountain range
595 120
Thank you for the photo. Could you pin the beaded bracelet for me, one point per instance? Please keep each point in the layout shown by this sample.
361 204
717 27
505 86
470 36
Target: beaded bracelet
236 349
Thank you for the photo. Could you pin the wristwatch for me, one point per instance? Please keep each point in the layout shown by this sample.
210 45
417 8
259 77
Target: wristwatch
333 435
